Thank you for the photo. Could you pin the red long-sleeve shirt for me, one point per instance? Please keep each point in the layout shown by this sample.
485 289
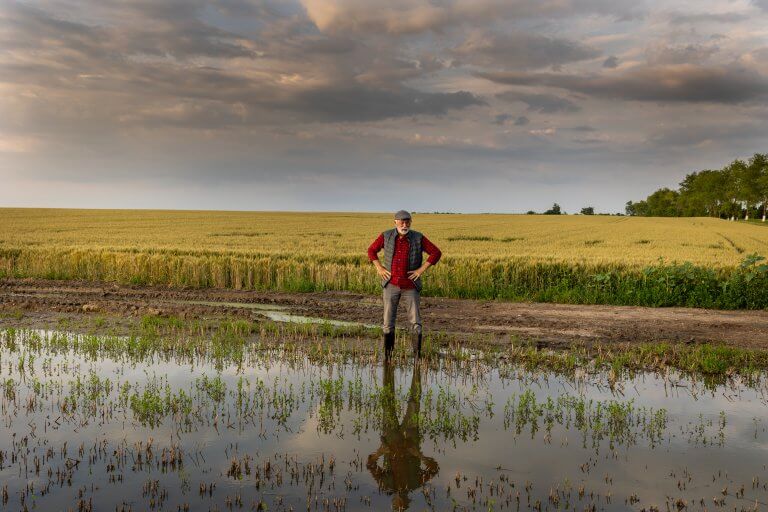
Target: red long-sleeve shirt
400 258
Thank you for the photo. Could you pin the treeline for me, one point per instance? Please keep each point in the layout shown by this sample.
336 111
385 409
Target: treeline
737 191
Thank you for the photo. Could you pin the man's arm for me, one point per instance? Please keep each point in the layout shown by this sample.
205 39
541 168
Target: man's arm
373 251
434 257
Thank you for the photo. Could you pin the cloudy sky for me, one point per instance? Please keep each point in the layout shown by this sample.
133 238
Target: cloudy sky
447 105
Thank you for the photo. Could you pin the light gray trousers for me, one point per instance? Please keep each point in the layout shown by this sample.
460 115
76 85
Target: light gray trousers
392 295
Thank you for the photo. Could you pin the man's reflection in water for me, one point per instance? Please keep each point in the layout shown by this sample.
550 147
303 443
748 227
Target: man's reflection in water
401 470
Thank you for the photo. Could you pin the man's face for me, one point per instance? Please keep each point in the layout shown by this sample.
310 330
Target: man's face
403 226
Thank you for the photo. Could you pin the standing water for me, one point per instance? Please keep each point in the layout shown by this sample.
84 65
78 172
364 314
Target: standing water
111 423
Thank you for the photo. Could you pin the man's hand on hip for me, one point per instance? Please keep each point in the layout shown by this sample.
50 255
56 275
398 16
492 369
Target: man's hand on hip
413 275
383 272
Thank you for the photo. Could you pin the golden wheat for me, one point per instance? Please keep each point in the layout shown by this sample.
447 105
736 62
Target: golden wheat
563 258
572 239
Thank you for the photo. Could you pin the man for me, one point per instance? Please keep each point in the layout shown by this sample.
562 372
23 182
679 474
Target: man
401 276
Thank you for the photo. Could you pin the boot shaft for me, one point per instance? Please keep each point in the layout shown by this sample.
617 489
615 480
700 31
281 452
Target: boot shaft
389 344
416 344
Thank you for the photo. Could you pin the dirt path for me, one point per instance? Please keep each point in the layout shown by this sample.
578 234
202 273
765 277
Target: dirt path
547 323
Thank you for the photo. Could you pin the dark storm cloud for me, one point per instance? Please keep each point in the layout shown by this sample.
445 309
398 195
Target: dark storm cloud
522 121
680 18
725 135
588 141
502 119
363 104
521 50
543 103
86 59
23 17
611 62
25 28
33 28
231 100
327 45
183 42
675 83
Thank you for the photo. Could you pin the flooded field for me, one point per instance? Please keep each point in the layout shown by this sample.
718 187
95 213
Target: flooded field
157 423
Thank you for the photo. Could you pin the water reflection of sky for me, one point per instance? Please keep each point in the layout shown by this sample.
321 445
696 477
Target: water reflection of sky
653 474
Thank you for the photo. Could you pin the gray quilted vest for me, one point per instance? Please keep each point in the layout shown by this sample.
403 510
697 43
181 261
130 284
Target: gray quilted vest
414 254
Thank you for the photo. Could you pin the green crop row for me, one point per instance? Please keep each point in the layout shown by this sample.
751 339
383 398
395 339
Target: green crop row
662 284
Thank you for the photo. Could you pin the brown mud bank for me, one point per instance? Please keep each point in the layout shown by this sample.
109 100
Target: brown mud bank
32 302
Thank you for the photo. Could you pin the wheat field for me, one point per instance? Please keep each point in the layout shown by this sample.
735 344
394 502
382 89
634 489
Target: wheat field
585 259
573 239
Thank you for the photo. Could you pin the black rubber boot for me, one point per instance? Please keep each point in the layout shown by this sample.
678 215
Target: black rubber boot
389 344
416 344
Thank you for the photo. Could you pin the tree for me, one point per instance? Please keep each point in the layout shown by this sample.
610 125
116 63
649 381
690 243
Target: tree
555 210
732 189
663 203
637 209
746 177
588 210
760 162
702 193
738 189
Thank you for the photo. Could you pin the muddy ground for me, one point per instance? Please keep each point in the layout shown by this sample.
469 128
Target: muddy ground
41 302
